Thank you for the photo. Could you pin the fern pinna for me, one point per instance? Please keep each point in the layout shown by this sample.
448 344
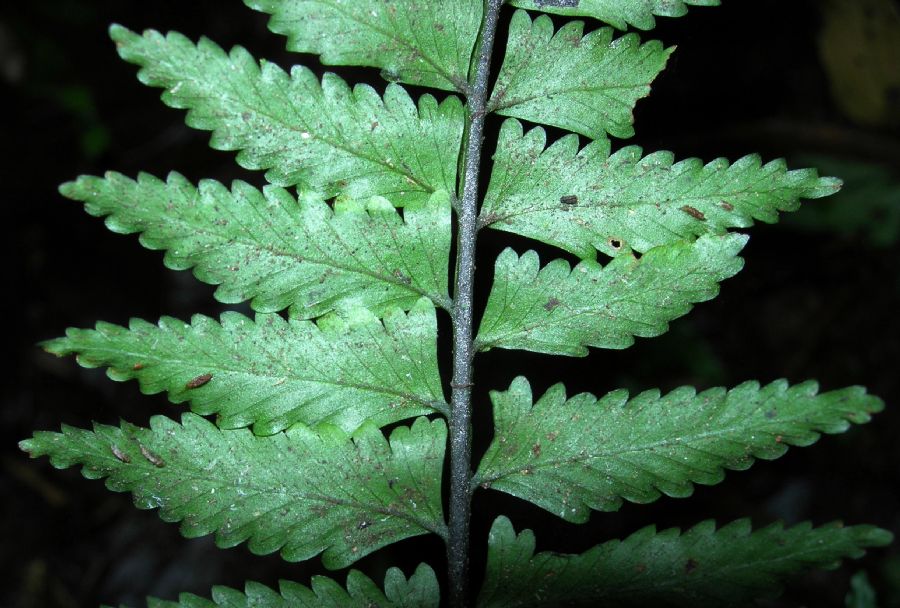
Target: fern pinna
345 259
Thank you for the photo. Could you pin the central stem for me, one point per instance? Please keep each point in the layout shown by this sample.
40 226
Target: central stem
463 347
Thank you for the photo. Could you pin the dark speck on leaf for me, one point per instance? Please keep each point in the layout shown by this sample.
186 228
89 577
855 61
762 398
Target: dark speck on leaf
569 199
199 381
694 213
771 414
551 304
245 116
690 565
363 525
536 450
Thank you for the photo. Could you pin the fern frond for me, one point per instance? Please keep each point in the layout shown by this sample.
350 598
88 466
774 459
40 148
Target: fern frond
271 373
571 456
588 199
305 491
280 251
316 135
586 84
560 310
703 566
618 13
424 43
419 591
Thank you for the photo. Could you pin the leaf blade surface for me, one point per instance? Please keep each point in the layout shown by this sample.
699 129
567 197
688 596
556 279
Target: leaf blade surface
587 200
423 43
303 492
618 13
418 591
572 456
278 250
702 566
560 310
273 373
321 136
586 84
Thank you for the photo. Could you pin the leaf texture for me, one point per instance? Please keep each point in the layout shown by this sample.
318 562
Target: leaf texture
571 456
618 13
560 310
316 135
280 251
423 43
419 591
273 373
587 200
586 84
703 566
304 491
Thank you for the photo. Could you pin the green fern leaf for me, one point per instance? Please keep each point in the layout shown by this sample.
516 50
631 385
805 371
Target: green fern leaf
271 373
705 567
585 200
419 591
618 13
586 84
559 310
320 136
306 491
569 457
278 251
424 43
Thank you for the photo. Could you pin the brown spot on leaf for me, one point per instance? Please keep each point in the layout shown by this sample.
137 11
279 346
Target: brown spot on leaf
569 199
536 450
245 116
615 243
690 565
778 438
726 206
402 277
552 435
694 213
199 381
551 304
152 458
137 367
119 454
374 125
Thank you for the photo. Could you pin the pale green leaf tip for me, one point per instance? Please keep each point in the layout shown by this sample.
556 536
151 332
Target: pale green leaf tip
121 34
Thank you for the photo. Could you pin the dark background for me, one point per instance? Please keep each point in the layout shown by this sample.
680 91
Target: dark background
819 297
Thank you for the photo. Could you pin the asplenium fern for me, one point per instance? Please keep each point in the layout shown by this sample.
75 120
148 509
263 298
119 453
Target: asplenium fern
353 240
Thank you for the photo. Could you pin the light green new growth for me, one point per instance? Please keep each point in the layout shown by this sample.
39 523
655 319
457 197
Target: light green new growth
622 201
278 251
353 240
586 84
700 567
560 310
344 370
317 135
571 456
425 43
304 492
419 591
